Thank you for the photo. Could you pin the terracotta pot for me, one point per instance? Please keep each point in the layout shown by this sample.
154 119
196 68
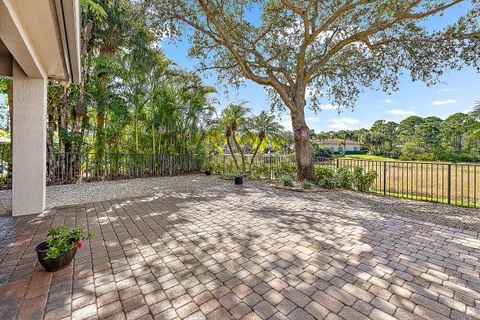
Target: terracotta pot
239 180
59 263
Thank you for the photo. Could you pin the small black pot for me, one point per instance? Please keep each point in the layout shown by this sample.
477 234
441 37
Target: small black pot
59 263
239 180
208 172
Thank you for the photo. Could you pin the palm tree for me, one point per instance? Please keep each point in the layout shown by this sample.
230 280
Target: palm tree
265 130
233 124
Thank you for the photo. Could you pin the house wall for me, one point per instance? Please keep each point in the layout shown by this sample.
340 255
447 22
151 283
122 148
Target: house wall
348 148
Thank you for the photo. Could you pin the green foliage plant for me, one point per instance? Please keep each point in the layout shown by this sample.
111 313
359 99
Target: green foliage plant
61 239
344 178
325 177
285 169
209 166
363 181
261 171
287 181
306 185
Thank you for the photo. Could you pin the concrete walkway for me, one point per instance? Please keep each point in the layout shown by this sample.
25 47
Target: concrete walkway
244 253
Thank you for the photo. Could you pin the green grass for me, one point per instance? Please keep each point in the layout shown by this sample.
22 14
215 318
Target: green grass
430 199
363 157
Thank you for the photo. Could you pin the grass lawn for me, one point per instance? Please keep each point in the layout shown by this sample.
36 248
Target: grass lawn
363 157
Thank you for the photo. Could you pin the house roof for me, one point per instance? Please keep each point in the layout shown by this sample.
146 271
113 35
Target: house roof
335 142
42 36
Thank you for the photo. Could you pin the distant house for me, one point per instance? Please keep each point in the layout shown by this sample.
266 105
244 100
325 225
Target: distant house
336 145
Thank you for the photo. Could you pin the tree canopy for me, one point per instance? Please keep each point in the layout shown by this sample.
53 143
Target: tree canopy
333 48
456 138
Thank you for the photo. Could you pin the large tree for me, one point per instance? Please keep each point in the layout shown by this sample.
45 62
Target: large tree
333 48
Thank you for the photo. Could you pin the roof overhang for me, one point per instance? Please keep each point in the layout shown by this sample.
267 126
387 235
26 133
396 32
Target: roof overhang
43 36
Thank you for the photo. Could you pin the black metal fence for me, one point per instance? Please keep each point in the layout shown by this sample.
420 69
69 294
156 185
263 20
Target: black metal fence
262 166
455 184
67 168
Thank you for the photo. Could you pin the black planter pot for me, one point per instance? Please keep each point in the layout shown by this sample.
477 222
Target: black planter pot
239 180
208 172
52 265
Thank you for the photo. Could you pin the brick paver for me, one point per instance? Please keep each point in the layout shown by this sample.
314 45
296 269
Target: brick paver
241 253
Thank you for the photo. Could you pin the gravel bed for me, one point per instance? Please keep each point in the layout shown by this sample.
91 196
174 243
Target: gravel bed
70 194
64 195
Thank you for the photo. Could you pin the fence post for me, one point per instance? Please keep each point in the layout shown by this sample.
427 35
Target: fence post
224 164
271 168
337 163
384 177
86 165
449 184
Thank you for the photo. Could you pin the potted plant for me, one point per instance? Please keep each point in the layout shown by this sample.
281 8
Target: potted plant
209 167
60 247
238 177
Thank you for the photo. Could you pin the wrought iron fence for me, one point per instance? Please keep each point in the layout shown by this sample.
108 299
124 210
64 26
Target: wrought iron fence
67 168
261 166
455 184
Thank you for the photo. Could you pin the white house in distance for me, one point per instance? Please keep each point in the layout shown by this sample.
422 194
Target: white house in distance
336 145
39 40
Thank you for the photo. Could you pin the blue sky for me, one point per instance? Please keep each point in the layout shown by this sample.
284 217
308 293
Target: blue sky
457 93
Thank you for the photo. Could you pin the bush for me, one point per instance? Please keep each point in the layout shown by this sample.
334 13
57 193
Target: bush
425 157
455 157
321 151
287 181
395 153
325 177
363 181
410 150
344 178
261 171
209 165
285 169
306 185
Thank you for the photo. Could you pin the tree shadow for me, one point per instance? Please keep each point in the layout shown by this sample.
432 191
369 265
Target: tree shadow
217 240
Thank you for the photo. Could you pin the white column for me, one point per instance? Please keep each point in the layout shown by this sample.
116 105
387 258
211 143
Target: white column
29 143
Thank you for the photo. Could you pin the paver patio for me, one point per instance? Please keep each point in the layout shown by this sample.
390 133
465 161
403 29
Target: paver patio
248 252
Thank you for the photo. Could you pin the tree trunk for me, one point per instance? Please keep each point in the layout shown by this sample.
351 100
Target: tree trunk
255 154
301 135
242 155
229 144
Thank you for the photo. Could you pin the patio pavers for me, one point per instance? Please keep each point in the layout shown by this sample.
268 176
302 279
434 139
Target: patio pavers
247 252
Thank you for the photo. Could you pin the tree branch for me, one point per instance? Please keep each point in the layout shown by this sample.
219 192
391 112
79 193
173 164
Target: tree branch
363 35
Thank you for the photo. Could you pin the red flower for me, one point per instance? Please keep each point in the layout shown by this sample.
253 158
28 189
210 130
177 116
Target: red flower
78 244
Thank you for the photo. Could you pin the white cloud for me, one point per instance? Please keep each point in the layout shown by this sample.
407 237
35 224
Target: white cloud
444 102
343 123
401 112
448 90
327 107
313 119
388 101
